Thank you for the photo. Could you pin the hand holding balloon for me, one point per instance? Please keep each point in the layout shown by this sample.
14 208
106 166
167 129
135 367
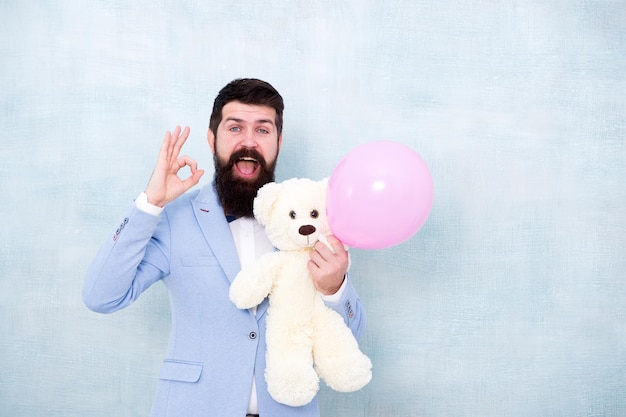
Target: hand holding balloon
379 195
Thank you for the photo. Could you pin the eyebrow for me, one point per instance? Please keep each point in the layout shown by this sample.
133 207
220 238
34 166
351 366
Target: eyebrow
238 120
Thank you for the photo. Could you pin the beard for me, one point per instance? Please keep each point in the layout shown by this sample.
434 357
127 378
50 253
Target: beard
237 194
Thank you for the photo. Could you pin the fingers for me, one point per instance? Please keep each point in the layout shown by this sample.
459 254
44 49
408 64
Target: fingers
328 267
172 143
316 259
164 151
165 185
193 179
325 256
179 140
184 161
336 244
336 247
196 173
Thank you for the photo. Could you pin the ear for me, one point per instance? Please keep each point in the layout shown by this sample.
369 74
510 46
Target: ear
265 200
323 187
211 139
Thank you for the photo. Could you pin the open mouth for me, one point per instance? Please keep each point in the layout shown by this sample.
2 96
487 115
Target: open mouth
247 167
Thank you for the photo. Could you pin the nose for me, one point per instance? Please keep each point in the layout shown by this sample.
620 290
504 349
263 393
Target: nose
248 140
306 230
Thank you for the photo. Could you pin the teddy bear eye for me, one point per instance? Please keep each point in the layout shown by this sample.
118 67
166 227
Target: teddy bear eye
314 214
292 214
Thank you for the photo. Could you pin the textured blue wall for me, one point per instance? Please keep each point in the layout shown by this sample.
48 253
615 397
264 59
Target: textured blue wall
511 301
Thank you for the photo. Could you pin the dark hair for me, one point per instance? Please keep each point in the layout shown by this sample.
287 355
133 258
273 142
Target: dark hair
247 91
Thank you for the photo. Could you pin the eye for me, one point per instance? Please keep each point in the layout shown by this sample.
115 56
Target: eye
292 214
235 129
263 131
314 214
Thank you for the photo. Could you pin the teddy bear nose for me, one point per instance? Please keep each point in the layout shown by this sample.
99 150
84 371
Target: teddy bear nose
306 230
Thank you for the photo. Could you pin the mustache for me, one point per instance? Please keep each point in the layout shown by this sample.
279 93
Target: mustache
247 153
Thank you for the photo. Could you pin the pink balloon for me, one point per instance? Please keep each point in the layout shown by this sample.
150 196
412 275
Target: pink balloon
379 195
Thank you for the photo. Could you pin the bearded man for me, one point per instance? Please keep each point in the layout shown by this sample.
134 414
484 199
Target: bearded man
195 243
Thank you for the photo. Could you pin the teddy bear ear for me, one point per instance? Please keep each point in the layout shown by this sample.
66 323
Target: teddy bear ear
264 202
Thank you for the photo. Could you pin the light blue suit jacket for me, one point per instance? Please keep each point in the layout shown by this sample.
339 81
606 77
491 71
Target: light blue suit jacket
214 348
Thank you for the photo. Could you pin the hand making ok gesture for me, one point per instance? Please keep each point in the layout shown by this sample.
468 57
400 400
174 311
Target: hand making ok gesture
165 185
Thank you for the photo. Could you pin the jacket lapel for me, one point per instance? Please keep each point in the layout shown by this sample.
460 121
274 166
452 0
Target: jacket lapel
214 226
210 217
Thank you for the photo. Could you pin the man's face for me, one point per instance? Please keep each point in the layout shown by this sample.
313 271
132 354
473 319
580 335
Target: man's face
245 150
246 126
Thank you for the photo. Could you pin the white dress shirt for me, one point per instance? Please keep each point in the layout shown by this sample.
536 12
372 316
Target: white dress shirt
251 242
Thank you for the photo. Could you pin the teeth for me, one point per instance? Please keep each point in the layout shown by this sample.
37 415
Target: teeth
245 158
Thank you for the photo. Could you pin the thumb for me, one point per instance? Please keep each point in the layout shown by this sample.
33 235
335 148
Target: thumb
193 179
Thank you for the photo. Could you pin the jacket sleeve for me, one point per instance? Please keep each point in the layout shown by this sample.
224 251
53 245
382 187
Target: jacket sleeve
351 309
133 258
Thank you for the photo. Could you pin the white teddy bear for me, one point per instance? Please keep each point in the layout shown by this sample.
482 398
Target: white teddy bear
301 330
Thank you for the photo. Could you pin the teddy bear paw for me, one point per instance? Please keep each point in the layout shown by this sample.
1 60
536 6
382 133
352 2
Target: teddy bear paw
294 388
242 296
348 376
